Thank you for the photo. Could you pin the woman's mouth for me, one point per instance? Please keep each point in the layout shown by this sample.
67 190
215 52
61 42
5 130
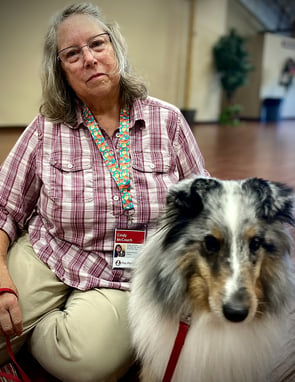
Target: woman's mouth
95 76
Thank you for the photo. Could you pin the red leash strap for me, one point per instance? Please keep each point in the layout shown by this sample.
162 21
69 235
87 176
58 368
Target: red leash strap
8 376
23 375
178 344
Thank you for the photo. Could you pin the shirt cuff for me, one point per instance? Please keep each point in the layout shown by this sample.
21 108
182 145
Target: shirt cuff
8 225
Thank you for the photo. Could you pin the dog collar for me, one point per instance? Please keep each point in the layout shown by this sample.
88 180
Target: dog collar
178 344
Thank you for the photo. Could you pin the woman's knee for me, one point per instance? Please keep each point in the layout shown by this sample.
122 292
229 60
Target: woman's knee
94 369
84 342
72 363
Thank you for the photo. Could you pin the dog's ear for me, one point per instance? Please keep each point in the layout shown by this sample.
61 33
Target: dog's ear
185 201
275 201
188 197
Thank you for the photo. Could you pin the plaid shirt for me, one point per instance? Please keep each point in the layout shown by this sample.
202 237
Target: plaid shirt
55 184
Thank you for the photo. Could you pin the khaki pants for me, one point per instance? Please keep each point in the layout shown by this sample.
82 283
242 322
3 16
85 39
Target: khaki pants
76 336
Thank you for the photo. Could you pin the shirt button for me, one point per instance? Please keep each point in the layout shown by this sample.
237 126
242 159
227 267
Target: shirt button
152 165
118 135
70 165
116 197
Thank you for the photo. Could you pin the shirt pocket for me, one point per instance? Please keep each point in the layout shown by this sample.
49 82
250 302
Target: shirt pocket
71 179
152 174
152 162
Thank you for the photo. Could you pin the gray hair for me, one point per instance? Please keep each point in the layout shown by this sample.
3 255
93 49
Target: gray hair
59 99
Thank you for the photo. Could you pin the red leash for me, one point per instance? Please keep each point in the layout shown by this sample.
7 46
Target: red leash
8 376
24 377
178 344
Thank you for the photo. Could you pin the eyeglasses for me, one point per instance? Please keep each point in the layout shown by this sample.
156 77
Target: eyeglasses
96 44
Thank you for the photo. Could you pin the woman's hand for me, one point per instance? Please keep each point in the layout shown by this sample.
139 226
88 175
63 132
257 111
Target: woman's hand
10 314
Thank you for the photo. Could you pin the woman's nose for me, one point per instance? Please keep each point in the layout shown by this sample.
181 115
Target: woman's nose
88 55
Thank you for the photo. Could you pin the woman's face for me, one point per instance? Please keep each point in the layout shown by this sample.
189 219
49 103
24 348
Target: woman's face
94 74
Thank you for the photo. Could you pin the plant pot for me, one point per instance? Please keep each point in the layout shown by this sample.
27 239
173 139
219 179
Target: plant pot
189 115
230 115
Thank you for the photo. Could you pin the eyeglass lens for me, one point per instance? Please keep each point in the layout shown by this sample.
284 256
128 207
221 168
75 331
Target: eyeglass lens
96 44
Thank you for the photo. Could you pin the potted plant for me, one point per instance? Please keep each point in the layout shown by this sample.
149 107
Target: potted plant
233 63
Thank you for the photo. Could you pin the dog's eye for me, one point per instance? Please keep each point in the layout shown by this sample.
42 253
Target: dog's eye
212 244
255 243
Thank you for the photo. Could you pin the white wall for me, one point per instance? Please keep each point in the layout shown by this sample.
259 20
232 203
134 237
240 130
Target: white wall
269 53
272 65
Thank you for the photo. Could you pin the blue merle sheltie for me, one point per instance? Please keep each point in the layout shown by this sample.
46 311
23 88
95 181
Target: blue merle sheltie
221 259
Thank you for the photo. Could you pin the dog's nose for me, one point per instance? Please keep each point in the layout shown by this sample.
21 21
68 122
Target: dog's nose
235 313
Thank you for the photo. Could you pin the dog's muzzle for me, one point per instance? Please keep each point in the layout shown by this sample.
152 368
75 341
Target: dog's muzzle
236 309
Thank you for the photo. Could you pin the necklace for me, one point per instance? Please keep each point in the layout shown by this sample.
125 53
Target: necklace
119 171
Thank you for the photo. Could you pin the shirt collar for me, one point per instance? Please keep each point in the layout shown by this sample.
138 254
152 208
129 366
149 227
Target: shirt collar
136 115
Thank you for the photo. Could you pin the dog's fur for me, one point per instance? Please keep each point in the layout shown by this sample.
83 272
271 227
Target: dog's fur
221 255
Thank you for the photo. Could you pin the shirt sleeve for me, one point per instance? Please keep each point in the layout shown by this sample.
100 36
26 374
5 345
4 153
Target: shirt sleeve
189 158
19 184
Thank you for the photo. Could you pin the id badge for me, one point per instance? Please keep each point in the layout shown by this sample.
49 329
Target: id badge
127 245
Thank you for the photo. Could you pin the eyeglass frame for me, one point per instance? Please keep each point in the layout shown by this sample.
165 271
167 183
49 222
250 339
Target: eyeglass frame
81 47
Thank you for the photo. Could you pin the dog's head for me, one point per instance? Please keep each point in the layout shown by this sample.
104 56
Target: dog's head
224 247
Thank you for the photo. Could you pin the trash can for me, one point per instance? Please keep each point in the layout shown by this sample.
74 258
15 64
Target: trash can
271 110
189 115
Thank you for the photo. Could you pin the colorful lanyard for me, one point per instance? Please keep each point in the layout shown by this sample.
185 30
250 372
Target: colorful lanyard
121 171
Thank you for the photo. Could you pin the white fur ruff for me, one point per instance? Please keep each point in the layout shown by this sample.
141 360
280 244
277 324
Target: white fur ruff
209 347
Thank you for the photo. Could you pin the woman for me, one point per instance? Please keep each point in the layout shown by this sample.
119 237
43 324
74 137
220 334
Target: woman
119 251
99 157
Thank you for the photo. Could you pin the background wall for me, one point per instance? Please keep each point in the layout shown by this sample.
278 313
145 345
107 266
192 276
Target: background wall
272 65
210 24
269 53
157 35
156 32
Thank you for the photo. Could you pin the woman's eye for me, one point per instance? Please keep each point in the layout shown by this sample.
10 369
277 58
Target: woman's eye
255 243
97 44
73 53
212 244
